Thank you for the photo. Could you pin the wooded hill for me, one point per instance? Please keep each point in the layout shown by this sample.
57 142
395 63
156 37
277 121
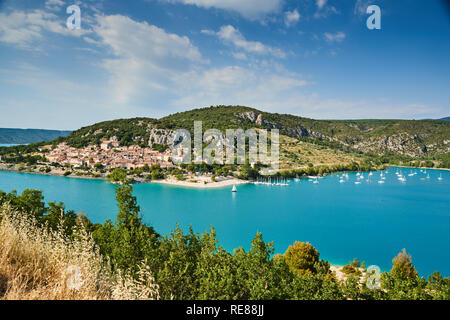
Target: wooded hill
414 138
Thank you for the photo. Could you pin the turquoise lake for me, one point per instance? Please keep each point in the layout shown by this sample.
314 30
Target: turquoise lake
370 221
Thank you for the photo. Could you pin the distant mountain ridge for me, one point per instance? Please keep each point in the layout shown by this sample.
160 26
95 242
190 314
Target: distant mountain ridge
25 136
446 118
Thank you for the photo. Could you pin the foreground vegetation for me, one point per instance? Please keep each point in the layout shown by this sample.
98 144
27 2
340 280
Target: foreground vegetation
40 261
128 259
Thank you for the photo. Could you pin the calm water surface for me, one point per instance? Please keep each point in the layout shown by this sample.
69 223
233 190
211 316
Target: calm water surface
370 221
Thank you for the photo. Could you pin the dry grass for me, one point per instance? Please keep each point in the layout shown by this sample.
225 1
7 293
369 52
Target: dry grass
295 154
39 264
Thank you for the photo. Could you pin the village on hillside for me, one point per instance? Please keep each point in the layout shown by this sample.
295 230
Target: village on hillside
109 155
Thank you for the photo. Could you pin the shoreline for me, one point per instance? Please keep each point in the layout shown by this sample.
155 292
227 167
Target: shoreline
196 185
54 174
177 183
445 169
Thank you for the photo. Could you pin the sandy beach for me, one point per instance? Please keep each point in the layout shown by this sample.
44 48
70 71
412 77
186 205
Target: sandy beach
201 184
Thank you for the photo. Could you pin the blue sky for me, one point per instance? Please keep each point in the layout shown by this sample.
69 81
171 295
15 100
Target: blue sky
313 58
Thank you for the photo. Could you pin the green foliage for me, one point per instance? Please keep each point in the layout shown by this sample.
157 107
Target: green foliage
315 287
156 175
302 257
180 177
351 287
349 269
402 266
20 158
57 217
118 175
128 242
31 202
160 147
438 286
127 131
247 172
355 263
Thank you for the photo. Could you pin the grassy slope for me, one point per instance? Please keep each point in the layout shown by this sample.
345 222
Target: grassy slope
295 153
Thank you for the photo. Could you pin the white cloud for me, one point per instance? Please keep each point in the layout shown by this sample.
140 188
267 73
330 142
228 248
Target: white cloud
240 55
324 10
361 7
314 107
321 3
334 37
129 38
23 29
291 17
54 5
231 35
252 9
145 57
152 65
271 88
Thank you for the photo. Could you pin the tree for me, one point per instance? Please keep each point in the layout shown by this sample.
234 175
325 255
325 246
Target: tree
402 283
247 172
439 287
58 217
179 258
156 175
402 266
118 175
30 202
129 241
302 257
98 166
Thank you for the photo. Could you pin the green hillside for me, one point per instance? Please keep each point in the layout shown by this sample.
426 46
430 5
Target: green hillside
406 137
410 138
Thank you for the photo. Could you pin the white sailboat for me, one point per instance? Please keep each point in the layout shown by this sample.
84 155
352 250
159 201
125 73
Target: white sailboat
440 177
234 188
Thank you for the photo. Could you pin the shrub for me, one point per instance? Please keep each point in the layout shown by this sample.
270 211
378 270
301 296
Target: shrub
301 257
